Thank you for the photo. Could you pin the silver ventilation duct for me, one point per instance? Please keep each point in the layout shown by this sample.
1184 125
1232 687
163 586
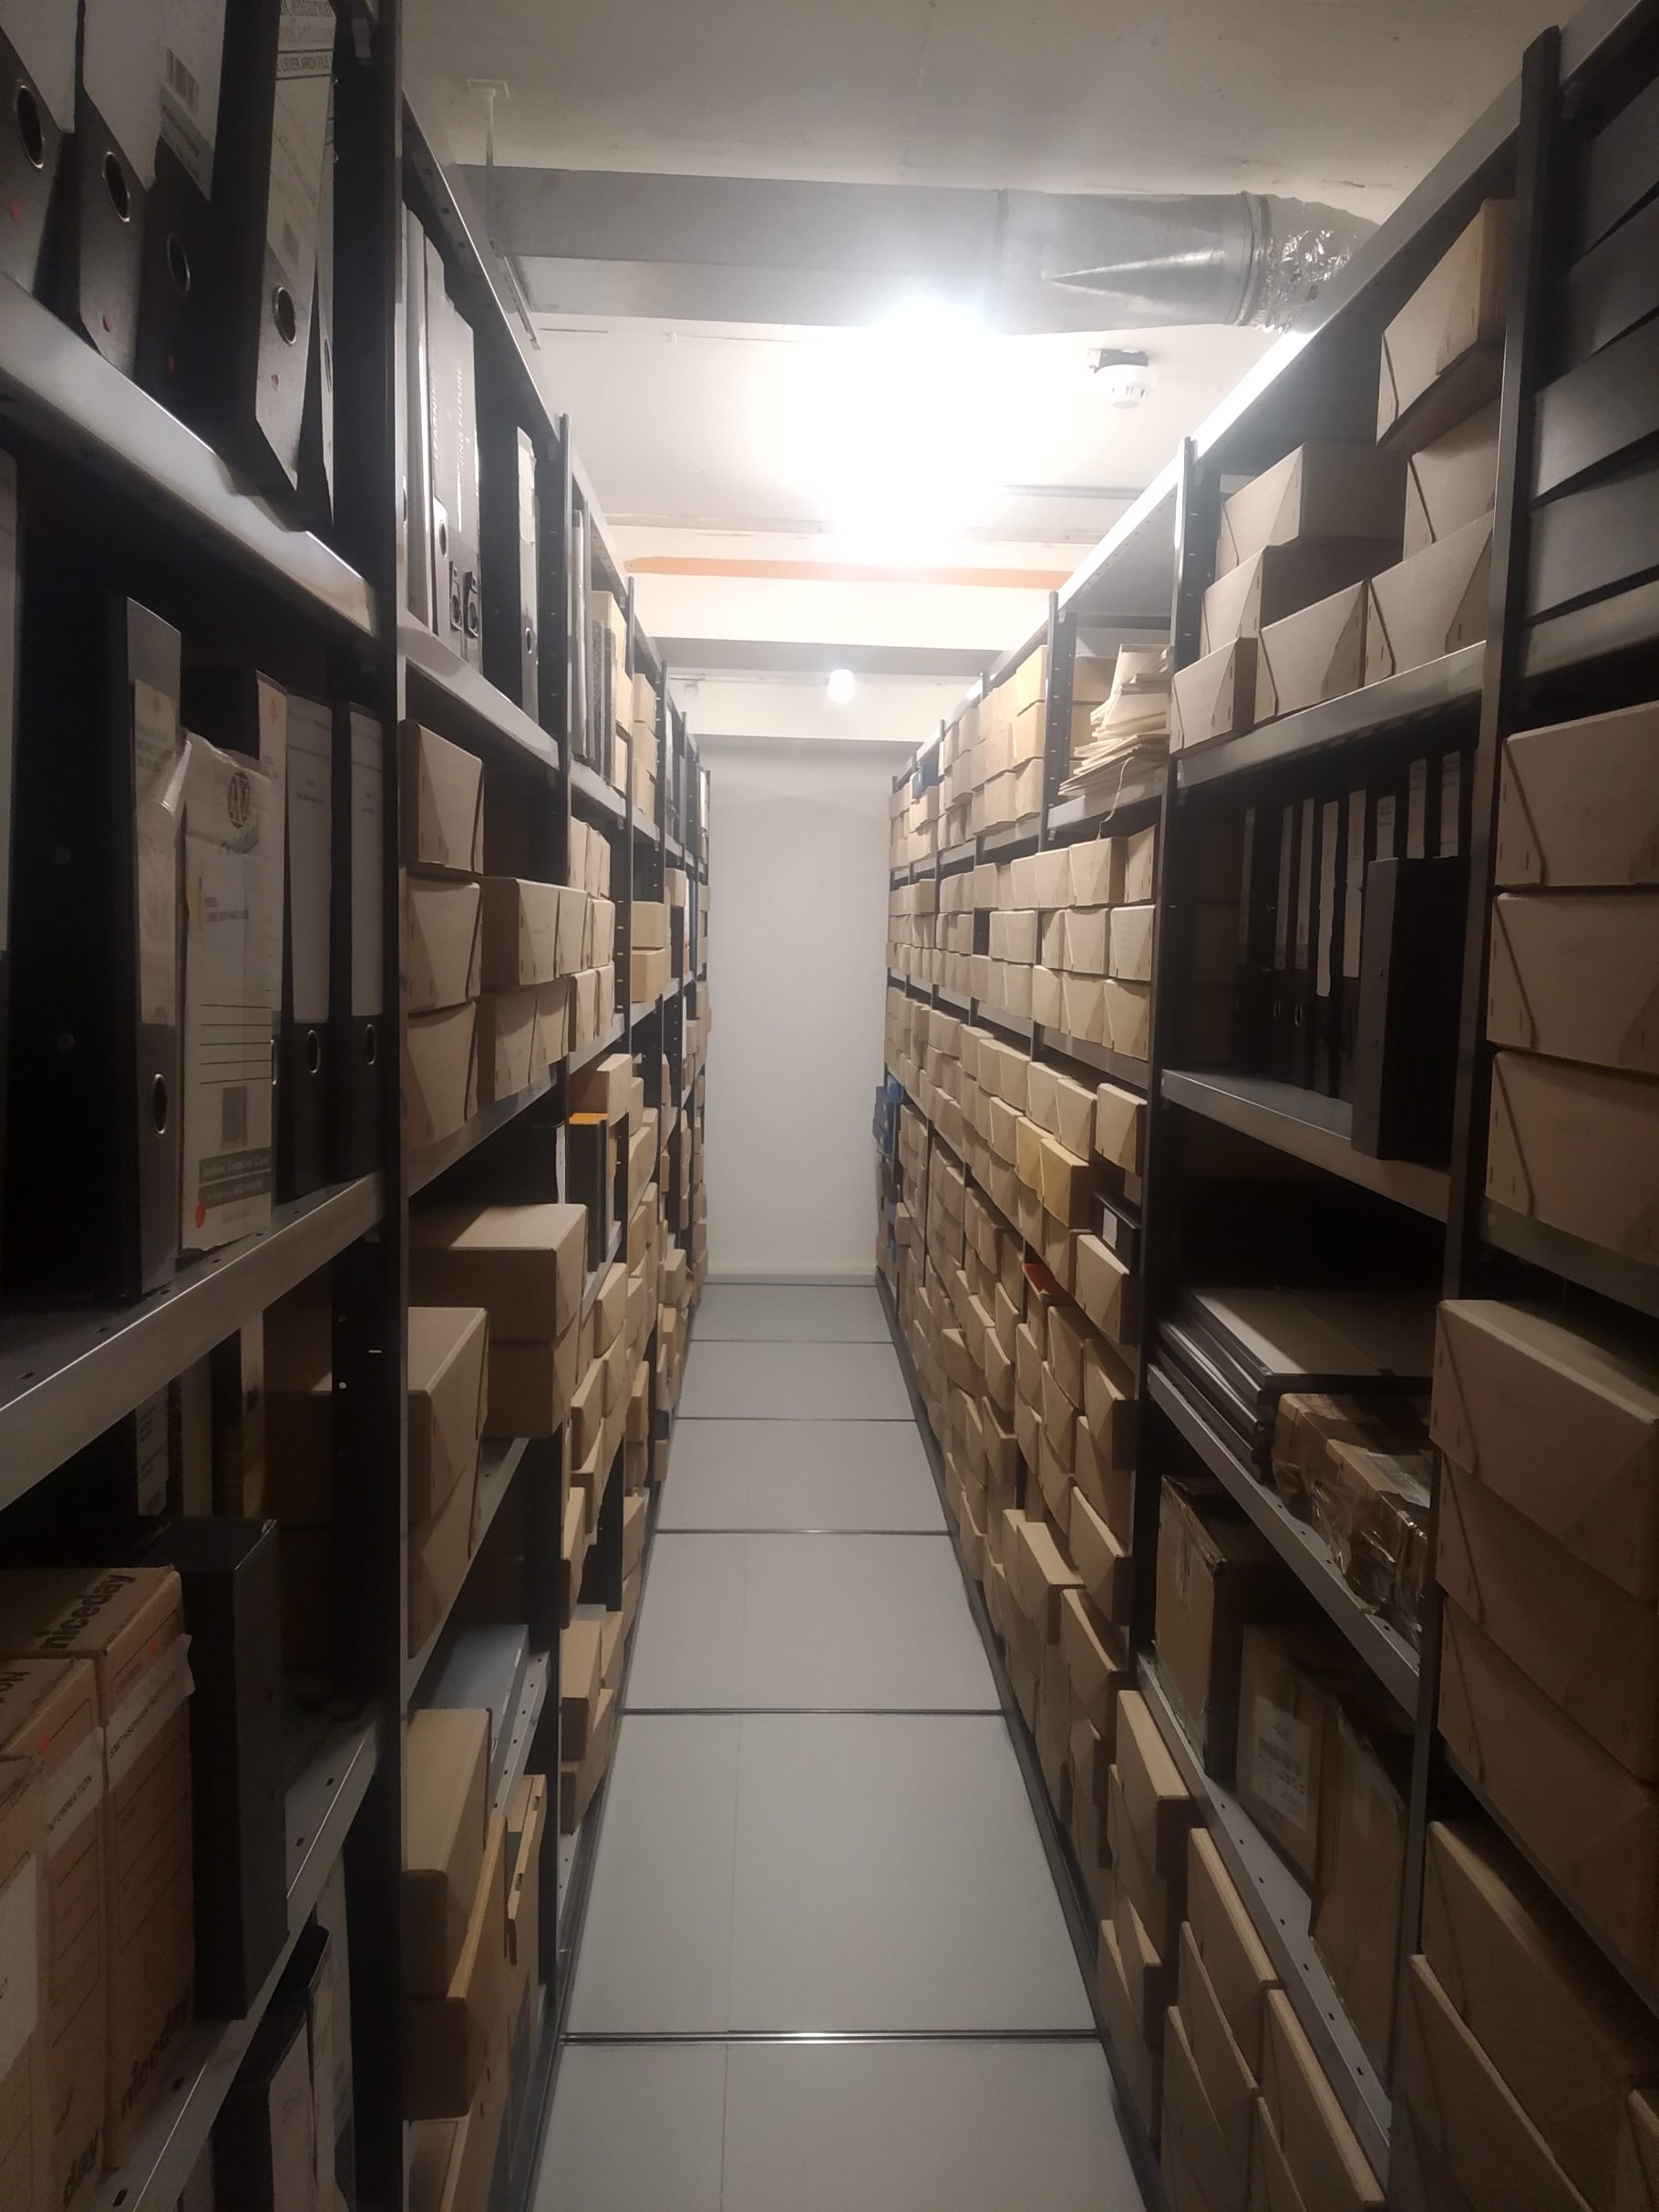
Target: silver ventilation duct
748 250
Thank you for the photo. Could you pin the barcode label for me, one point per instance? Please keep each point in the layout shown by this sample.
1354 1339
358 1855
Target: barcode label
181 81
233 1114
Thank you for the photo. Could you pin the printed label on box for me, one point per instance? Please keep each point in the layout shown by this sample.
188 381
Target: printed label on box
1283 1756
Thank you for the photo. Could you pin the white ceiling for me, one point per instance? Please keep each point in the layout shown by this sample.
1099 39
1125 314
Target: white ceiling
709 441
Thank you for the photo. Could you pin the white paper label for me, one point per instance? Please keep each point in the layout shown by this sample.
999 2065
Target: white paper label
122 73
230 1000
19 1963
139 1719
76 1789
160 759
1283 1757
42 31
310 854
368 805
192 56
299 135
8 680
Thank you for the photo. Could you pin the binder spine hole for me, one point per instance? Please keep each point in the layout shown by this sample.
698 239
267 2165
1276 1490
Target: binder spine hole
314 1052
158 1104
116 185
371 1045
284 314
30 128
178 264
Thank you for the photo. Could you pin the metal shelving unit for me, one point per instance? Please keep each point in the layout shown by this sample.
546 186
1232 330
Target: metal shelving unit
1304 1127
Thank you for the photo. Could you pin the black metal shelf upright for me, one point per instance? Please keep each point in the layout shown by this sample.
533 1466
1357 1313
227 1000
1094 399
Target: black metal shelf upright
1527 673
175 527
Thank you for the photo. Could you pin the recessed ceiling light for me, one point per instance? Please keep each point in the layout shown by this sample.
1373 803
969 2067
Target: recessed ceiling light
843 685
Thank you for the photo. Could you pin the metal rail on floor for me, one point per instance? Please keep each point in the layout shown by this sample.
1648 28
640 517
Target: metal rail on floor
1075 1902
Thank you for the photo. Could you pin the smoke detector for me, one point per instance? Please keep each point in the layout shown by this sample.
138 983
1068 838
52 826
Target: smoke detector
1124 378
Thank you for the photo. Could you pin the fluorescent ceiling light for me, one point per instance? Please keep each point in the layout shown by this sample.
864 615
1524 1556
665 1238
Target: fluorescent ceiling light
843 685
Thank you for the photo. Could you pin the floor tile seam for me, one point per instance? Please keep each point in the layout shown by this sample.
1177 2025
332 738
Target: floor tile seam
625 2039
813 1420
911 1535
815 1713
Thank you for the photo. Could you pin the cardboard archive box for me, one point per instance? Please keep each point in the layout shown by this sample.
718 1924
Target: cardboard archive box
128 1623
524 1265
1443 353
1327 491
1575 974
1576 1149
1431 604
1577 804
27 2172
1215 1573
446 811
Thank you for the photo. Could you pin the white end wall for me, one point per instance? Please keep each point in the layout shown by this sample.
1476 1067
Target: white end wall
797 926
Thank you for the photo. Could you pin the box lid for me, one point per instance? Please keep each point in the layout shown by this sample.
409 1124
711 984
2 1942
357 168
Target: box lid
448 1378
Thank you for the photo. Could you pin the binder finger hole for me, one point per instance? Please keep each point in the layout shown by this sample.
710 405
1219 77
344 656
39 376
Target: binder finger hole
178 264
30 128
115 184
158 1104
371 1045
314 1052
284 314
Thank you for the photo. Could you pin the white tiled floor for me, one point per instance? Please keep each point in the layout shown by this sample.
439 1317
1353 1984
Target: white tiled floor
816 1828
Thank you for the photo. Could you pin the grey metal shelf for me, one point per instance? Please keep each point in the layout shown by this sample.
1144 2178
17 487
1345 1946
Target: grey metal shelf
532 1701
1449 687
1120 1066
498 1462
597 1050
67 1375
1308 1127
323 1798
644 826
426 1166
1633 1282
1140 786
1280 1910
1627 621
1384 1650
459 701
1012 837
587 785
60 391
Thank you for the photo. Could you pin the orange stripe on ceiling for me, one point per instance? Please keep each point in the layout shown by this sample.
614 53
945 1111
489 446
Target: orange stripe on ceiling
843 572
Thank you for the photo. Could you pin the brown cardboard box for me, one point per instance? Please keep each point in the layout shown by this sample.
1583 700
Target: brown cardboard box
1129 954
447 1400
1156 1800
523 1264
1577 804
520 932
507 1057
1590 1647
1119 1119
1181 2192
1160 1899
1102 1562
1107 1291
1192 2131
1215 1573
128 1622
1223 2073
1326 490
530 1386
1638 2176
1097 1663
1324 2159
1593 1825
1578 1149
447 2039
578 1780
1235 1962
49 1712
1272 2188
1576 974
1459 2102
446 789
580 1657
1039 1574
1084 1000
1064 1183
1112 1415
439 1075
1085 939
574 932
1519 1397
1421 2180
1290 1675
1140 2069
1095 873
1214 697
650 977
1149 1981
438 1550
1128 1018
27 2169
650 920
1443 353
1432 604
1452 481
447 1804
1318 654
1139 867
1282 579
1565 2034
442 942
1360 1877
603 1087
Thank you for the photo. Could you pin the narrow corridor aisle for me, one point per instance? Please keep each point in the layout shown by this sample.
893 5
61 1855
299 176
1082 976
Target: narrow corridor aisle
825 1964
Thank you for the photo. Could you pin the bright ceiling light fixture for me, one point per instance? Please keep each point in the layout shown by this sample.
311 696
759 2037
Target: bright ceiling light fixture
842 687
894 431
